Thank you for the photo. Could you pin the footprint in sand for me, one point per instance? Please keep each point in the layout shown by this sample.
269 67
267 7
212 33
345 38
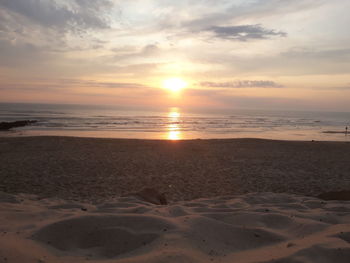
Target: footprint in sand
102 236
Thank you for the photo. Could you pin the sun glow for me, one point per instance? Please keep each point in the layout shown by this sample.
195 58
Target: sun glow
174 115
174 130
174 135
174 84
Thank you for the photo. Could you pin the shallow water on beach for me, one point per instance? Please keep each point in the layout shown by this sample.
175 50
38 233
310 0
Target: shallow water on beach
175 123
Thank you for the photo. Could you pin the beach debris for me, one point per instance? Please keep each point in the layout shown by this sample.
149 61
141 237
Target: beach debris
150 195
5 126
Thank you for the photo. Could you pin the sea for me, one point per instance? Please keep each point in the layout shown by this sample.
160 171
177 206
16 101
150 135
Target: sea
174 123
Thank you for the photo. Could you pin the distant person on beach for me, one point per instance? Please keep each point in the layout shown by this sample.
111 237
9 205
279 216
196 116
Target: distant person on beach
346 130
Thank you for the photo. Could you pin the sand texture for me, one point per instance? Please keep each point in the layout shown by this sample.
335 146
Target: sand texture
225 201
260 227
86 169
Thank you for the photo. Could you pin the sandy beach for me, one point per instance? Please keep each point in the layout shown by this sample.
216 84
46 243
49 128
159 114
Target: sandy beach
67 199
91 169
260 227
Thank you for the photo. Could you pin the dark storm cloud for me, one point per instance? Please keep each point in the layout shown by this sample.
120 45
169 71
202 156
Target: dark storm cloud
244 32
242 84
67 15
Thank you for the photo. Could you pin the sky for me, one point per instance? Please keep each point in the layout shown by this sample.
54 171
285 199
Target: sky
255 54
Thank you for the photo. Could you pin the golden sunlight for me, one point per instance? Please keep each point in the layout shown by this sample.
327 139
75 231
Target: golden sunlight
174 135
174 84
174 115
174 132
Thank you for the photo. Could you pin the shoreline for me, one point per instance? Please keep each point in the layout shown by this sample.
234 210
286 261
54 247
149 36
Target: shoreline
91 169
176 133
164 136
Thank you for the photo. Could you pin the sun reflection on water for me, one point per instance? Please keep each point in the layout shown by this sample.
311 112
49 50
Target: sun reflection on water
174 133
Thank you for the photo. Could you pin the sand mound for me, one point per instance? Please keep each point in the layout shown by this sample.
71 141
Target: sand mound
262 227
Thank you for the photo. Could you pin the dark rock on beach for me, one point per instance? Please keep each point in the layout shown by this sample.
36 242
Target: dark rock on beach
5 126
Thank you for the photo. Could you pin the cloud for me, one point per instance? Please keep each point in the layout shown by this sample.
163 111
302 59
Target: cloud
339 88
66 84
342 54
226 12
346 88
53 26
293 61
100 84
21 55
130 53
242 84
244 32
62 15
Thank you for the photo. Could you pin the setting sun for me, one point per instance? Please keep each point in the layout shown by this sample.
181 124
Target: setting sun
174 84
